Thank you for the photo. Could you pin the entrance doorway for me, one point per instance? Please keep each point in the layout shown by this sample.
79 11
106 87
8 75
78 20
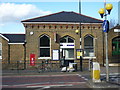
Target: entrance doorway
67 50
116 50
116 46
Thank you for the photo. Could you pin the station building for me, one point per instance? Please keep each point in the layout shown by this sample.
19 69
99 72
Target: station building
54 37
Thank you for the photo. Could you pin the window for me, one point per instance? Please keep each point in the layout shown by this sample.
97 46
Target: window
44 46
69 53
0 50
66 39
88 45
116 46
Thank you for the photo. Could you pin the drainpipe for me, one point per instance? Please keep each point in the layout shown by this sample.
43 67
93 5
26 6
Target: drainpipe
8 54
24 54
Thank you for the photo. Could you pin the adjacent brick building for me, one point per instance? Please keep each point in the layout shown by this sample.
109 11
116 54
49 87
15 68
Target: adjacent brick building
12 48
114 45
57 31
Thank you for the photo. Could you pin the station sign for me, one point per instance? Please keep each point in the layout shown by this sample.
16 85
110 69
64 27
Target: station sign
67 45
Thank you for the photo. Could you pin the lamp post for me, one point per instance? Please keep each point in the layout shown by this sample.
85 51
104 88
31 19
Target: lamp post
77 32
102 12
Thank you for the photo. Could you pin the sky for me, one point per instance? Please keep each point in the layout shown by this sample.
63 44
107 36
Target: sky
12 12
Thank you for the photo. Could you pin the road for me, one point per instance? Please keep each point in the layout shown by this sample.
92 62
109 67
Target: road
45 81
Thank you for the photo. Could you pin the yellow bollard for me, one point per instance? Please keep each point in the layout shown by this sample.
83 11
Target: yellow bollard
96 72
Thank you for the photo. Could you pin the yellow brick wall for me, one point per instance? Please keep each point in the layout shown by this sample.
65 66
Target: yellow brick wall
62 30
16 52
5 49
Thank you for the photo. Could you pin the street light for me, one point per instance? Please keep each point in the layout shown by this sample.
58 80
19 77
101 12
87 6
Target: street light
109 7
77 31
102 12
81 52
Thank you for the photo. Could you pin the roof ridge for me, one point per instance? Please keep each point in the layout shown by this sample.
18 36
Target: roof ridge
86 16
47 18
42 16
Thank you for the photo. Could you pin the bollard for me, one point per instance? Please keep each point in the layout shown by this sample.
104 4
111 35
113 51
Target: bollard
90 64
18 66
81 63
96 72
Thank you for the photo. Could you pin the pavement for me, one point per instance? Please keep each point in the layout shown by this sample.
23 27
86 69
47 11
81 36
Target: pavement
114 76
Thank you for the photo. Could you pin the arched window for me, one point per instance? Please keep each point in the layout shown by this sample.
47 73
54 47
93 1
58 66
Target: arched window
44 46
116 46
88 45
66 39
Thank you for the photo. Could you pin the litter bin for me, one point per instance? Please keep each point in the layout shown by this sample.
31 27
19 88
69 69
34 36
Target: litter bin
96 72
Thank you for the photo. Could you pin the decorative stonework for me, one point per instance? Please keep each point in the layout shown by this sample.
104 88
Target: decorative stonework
63 26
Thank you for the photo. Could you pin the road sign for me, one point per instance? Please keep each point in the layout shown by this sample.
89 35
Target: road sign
106 26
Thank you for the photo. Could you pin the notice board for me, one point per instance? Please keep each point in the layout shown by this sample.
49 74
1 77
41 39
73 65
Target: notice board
56 54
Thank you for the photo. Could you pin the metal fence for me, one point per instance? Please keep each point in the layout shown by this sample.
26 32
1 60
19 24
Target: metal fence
42 66
48 67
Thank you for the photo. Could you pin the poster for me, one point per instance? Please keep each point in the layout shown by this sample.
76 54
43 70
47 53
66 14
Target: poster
55 54
79 53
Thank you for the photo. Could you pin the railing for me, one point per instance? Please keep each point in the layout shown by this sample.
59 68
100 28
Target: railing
48 67
43 66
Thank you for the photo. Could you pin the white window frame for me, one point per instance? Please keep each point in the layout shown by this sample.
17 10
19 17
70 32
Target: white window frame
66 37
88 57
45 47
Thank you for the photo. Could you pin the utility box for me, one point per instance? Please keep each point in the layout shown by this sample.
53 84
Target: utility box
75 66
96 72
72 67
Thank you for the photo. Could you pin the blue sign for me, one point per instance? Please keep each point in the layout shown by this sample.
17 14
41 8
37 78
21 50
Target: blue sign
106 26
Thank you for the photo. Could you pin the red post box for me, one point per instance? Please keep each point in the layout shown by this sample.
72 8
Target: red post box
32 59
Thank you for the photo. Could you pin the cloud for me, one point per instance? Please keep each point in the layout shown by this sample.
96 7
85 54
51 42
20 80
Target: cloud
2 24
58 0
11 12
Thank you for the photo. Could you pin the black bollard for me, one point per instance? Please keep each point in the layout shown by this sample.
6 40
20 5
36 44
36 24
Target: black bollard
18 66
42 66
81 63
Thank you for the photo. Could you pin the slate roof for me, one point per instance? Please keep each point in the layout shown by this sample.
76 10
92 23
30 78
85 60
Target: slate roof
65 17
15 38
